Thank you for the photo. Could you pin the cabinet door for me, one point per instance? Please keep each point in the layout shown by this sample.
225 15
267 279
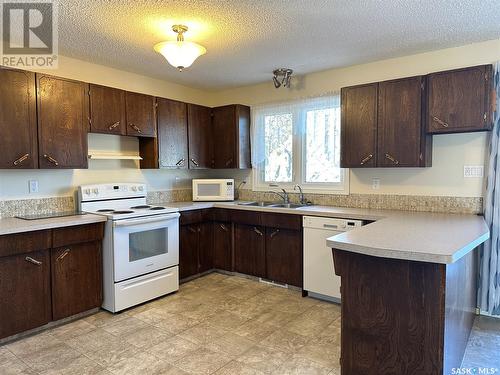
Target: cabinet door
188 251
107 110
200 136
172 134
63 115
222 246
400 123
459 100
18 127
206 247
249 250
76 279
231 128
284 256
141 114
359 126
24 292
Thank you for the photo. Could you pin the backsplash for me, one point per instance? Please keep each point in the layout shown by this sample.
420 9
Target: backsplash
469 205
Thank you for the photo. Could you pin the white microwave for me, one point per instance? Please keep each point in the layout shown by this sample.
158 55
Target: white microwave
217 189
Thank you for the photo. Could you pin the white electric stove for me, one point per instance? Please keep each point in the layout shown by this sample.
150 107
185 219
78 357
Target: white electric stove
141 244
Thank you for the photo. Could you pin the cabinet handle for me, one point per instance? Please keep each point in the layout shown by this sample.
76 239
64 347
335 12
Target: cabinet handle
111 127
365 159
192 230
180 162
224 228
136 128
21 159
228 162
392 158
63 255
195 162
440 122
274 233
257 231
34 261
51 159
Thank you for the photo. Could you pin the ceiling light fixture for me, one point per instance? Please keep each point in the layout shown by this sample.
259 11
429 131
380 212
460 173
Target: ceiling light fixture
282 77
180 53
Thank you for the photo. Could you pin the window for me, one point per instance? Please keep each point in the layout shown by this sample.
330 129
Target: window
298 143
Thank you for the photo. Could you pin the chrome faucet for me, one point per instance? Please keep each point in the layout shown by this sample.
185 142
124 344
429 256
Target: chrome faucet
284 195
302 199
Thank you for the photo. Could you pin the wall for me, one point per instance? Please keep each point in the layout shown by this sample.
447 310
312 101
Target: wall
450 152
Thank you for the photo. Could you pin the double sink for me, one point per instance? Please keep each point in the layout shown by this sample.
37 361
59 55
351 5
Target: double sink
271 204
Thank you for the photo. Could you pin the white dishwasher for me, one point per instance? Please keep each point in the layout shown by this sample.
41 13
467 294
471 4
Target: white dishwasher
319 275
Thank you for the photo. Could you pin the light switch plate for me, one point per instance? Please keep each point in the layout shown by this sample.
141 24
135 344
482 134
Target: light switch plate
473 171
375 183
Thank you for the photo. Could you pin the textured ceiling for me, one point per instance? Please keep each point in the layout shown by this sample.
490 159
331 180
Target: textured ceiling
247 39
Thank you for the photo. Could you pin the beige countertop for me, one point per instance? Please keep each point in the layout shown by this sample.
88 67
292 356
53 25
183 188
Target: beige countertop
417 236
10 225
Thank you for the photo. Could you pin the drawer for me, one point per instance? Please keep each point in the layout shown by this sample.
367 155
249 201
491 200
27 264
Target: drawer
77 234
221 214
283 221
246 217
19 243
191 217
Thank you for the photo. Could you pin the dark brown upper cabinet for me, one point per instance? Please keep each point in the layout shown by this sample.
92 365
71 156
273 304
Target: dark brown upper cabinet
200 136
359 126
401 132
383 126
107 110
141 114
63 118
231 136
172 134
18 128
460 100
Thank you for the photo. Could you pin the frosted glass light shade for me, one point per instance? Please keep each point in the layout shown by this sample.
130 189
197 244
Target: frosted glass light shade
180 54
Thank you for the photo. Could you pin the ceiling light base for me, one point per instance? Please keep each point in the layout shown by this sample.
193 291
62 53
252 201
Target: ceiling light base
282 77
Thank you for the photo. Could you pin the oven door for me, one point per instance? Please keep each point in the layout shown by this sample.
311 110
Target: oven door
144 245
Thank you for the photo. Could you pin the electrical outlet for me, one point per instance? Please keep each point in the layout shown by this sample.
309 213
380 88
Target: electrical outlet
33 186
375 183
473 171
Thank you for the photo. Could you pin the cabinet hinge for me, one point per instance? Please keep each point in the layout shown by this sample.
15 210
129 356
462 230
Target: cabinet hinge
485 116
156 105
486 77
421 156
88 92
422 86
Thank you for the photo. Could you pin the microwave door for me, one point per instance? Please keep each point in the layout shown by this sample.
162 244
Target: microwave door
143 246
209 191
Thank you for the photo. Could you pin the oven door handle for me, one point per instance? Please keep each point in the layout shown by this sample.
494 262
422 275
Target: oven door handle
154 219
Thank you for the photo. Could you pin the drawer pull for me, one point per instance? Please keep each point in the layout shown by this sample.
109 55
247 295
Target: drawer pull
136 128
180 162
274 233
34 261
365 159
116 124
257 231
224 228
228 163
21 159
192 230
63 255
195 162
51 159
392 158
440 122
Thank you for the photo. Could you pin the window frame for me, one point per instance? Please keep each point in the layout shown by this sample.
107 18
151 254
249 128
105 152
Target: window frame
299 114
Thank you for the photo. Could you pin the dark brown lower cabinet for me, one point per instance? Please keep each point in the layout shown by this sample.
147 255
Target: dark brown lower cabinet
284 256
24 292
222 246
250 250
76 279
188 250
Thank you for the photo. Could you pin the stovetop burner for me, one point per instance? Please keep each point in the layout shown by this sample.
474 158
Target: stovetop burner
141 206
123 212
106 210
157 208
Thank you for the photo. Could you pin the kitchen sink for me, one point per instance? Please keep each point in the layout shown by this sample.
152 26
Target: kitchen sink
287 205
256 204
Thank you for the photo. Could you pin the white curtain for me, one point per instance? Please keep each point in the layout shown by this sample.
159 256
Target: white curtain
296 108
489 287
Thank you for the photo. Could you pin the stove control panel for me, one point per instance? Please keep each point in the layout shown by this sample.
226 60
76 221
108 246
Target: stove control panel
111 191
